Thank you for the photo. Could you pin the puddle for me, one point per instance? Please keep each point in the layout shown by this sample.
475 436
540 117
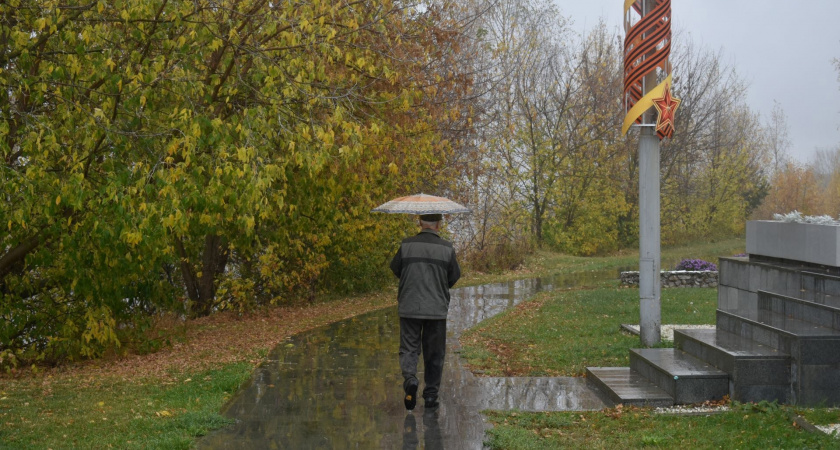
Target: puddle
340 386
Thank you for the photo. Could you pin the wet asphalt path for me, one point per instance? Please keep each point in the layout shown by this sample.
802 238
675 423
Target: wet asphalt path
340 386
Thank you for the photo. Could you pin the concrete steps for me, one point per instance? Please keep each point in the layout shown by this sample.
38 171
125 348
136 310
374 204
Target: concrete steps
824 315
777 337
684 377
627 387
820 288
660 377
772 329
756 372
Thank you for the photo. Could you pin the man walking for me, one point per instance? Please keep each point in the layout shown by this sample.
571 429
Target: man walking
427 268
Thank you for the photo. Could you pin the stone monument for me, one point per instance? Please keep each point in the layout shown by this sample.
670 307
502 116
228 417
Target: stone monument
777 334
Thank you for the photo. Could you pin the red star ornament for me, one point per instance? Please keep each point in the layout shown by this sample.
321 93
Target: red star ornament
667 107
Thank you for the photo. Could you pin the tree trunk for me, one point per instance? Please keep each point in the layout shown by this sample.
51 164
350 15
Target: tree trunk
202 289
213 264
187 272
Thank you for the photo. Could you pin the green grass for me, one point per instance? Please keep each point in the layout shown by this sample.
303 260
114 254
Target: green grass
670 256
563 332
745 426
546 263
820 416
111 413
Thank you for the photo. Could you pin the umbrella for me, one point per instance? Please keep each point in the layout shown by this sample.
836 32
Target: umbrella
421 204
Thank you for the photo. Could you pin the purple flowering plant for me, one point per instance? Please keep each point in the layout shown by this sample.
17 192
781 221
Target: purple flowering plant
696 265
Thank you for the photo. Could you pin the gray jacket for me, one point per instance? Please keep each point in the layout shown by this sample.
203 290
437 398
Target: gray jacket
427 268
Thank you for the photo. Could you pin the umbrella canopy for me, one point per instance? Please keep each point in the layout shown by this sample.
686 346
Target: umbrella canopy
421 204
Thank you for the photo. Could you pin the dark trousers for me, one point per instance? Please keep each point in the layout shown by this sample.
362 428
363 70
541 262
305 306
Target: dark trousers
430 337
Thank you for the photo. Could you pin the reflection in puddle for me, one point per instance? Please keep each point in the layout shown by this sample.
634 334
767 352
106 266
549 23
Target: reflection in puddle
340 386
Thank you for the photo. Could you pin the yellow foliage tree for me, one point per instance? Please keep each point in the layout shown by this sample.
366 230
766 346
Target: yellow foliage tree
794 188
198 155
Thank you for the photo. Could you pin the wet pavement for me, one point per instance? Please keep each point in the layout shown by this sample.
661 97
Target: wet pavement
340 386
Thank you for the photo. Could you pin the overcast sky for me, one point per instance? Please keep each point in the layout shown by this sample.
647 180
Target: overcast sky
783 49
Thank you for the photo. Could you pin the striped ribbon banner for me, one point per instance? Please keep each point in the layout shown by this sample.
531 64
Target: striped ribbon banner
647 46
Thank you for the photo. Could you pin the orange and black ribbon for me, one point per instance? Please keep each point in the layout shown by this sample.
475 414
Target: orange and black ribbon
647 46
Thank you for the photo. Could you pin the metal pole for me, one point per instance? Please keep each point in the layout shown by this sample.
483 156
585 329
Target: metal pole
649 246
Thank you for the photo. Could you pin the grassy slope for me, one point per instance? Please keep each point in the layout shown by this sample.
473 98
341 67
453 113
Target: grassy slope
748 426
560 333
103 412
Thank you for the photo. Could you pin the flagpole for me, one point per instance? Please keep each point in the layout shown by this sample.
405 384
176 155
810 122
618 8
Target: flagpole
649 238
650 311
650 107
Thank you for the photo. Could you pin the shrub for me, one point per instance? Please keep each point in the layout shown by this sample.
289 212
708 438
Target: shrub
696 265
495 258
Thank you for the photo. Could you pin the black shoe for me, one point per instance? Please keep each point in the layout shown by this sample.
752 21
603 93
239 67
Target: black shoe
411 395
431 402
410 439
